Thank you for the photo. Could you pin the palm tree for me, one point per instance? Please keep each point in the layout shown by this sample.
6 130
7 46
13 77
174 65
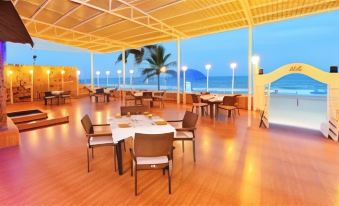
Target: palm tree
158 64
138 54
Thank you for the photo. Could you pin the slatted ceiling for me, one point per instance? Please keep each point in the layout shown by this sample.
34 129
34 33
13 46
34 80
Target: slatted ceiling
150 5
72 22
102 20
25 8
144 36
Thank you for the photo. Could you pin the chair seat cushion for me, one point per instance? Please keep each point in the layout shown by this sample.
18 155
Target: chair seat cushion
183 134
152 160
101 140
200 104
226 107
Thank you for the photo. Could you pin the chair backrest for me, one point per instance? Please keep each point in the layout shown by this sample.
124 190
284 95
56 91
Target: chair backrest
153 145
190 120
133 109
147 94
87 124
100 91
159 94
89 90
195 98
229 100
48 94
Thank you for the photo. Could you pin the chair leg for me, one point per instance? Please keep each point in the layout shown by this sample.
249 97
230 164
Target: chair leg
169 181
135 181
92 153
163 171
132 168
87 160
183 146
114 160
193 141
192 108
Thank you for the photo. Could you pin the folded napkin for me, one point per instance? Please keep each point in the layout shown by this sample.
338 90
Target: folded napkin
160 122
145 113
118 115
123 125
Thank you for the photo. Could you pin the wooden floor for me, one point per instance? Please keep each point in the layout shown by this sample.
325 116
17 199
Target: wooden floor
235 165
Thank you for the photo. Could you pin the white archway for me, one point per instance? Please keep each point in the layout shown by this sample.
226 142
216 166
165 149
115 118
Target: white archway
261 96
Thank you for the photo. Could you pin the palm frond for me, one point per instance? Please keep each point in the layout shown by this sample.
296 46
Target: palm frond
171 72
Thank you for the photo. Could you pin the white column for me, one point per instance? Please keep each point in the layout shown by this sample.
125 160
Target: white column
207 75
178 70
184 95
249 97
31 73
123 69
11 87
92 71
233 81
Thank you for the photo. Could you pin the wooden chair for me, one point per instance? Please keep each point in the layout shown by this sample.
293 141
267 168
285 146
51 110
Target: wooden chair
100 93
152 151
129 98
187 131
147 99
133 110
198 105
91 93
66 95
49 96
96 139
228 104
159 97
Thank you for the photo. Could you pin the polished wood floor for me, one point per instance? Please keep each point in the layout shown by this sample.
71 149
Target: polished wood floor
235 165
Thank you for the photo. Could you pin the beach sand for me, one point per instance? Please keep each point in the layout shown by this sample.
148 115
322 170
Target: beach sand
302 111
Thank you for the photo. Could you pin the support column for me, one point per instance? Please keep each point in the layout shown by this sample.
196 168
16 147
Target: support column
92 71
178 70
249 97
3 95
123 69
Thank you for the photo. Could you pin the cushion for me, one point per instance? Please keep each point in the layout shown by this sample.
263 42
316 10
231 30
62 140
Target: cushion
101 140
152 160
183 134
226 107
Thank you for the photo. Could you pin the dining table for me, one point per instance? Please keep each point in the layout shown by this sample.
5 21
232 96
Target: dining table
213 100
124 127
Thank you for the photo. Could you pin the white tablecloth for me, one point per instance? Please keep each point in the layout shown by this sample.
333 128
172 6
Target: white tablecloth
212 98
138 124
57 92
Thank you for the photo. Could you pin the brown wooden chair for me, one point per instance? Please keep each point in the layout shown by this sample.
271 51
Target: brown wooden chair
49 96
198 105
91 93
133 110
152 151
147 99
187 131
66 95
228 104
130 99
159 97
96 139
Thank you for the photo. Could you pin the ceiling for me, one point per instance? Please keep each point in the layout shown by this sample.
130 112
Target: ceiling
111 25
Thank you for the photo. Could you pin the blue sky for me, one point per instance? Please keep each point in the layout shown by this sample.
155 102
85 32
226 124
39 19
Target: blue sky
312 39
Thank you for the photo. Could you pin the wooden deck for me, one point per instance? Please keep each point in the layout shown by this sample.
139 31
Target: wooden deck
235 165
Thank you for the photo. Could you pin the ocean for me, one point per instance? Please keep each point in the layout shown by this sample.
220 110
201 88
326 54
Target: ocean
293 84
